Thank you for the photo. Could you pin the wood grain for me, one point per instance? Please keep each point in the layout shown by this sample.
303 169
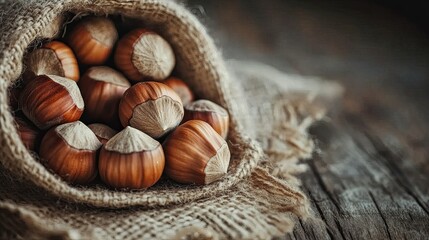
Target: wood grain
370 179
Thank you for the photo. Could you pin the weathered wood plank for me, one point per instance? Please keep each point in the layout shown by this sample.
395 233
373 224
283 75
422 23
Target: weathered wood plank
361 188
370 180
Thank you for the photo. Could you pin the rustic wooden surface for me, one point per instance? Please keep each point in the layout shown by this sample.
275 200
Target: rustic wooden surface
371 177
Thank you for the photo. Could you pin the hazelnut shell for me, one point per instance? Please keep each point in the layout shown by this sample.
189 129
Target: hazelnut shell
151 107
144 55
181 89
210 113
102 89
50 100
92 40
29 133
70 150
53 58
103 132
196 154
131 160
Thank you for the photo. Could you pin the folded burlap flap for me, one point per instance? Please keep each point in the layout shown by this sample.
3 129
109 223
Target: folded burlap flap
250 203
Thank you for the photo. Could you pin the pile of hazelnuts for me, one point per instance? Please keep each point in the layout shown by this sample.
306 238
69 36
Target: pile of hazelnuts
129 120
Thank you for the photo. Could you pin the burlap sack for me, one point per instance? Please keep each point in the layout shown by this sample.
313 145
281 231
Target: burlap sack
252 202
198 61
259 207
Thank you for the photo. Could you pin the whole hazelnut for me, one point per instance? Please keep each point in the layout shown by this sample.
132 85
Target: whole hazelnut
209 112
103 132
151 107
132 160
144 55
50 100
92 40
181 89
196 154
102 89
70 150
53 58
29 133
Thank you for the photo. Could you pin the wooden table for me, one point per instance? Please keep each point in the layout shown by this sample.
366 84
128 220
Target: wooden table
371 177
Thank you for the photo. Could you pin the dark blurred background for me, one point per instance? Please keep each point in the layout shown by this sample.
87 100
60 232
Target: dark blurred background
379 45
415 10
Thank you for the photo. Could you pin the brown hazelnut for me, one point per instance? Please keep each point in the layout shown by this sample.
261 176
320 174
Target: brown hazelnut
132 160
70 150
14 94
144 55
103 132
29 133
210 113
53 58
92 40
196 154
102 89
181 89
50 100
151 107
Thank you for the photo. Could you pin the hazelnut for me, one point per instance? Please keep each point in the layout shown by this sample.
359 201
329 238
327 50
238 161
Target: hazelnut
131 159
53 58
14 94
70 150
144 55
92 40
196 154
102 89
181 89
151 107
103 132
30 134
210 113
50 100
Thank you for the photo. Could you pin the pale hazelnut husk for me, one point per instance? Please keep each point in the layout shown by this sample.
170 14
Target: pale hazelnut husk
103 132
151 107
181 88
92 40
50 100
144 55
209 112
70 150
53 58
131 160
196 154
29 133
102 89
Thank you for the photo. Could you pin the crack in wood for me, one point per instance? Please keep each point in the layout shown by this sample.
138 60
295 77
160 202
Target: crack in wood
323 186
401 179
381 214
322 215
